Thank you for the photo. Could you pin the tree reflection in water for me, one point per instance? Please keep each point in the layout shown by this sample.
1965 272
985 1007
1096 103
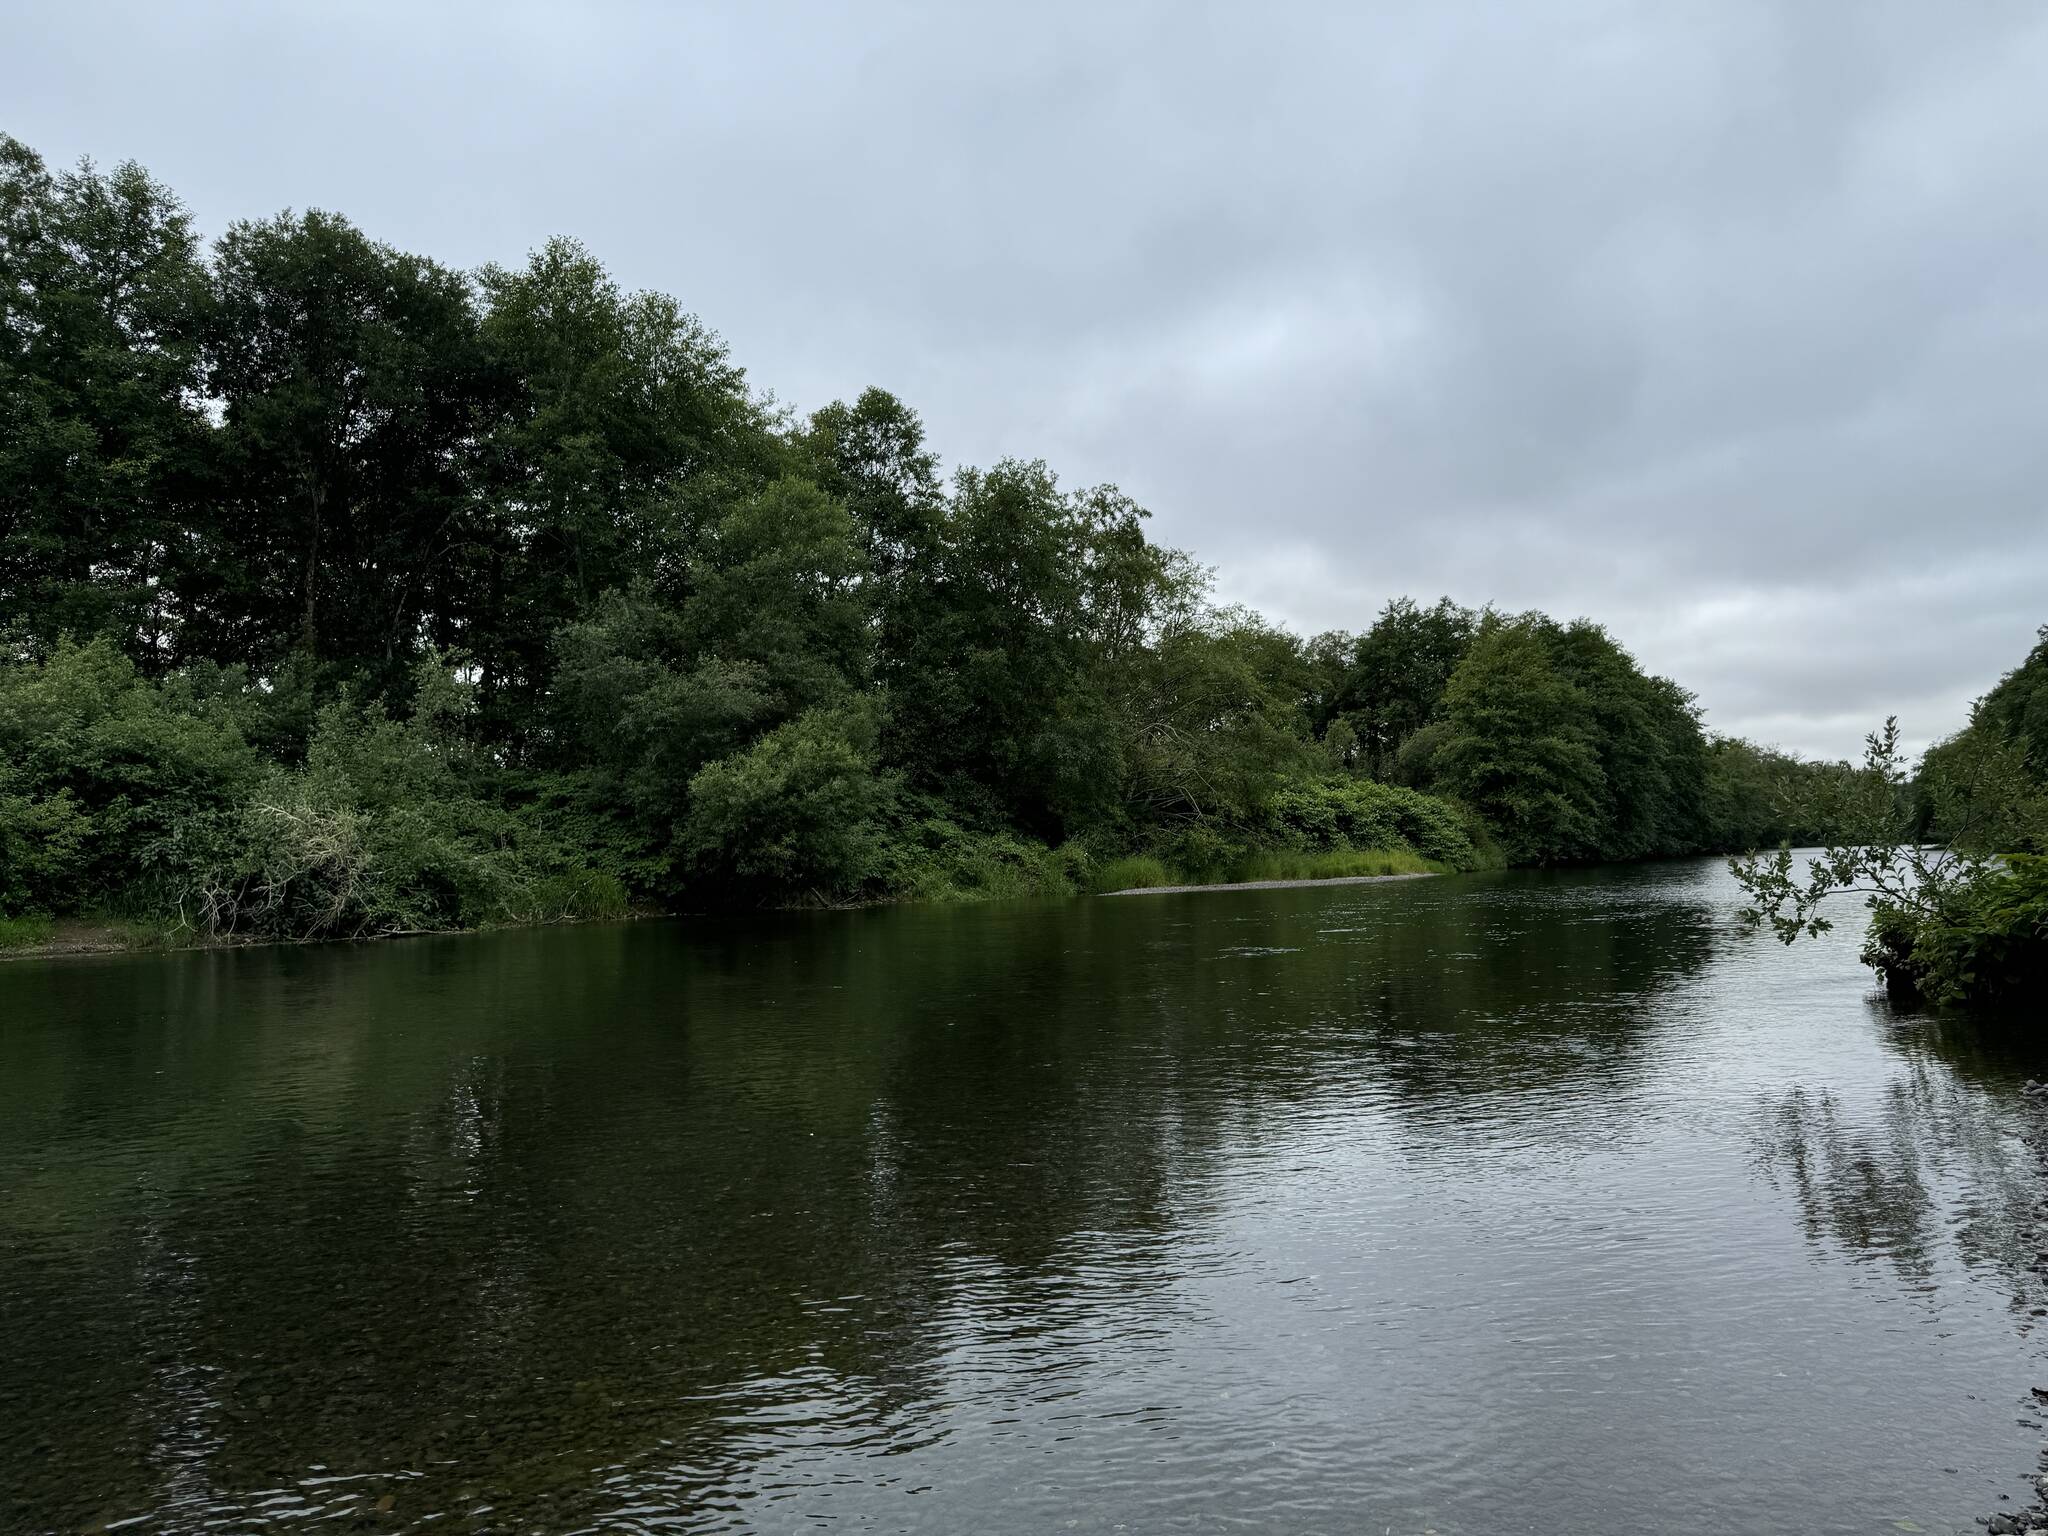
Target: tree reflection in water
1946 1162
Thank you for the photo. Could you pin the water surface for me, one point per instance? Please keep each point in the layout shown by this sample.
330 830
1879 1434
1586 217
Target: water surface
1521 1203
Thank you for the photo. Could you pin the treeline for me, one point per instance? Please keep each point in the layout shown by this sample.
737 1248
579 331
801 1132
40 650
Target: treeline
344 592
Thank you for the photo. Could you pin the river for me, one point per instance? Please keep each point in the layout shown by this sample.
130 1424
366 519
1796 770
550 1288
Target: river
1528 1202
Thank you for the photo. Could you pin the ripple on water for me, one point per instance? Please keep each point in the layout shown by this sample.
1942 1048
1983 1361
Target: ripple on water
1546 1201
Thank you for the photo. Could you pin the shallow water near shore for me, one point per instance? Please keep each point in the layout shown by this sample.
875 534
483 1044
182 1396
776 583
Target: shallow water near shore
1525 1202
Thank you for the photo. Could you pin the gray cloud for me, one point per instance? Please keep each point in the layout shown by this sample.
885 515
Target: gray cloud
1718 322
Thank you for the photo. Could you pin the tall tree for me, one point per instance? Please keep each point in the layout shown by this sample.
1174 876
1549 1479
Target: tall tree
352 391
871 455
101 437
1398 673
617 405
1653 755
1518 749
996 695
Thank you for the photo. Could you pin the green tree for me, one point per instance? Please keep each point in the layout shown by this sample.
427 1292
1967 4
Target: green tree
101 769
352 392
871 456
794 812
2010 725
1652 753
623 419
1954 920
102 443
997 690
1214 726
1397 673
1518 749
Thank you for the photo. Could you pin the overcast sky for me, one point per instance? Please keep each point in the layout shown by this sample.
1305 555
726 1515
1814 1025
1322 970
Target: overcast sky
1725 324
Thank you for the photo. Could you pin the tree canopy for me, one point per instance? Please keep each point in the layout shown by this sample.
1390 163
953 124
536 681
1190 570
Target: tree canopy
344 591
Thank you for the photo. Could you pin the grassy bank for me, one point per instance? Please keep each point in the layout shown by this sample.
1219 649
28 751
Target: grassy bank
1139 871
952 867
90 934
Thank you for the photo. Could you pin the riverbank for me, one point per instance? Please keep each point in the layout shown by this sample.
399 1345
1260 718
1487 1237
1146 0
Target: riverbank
55 938
23 938
1271 885
29 937
27 940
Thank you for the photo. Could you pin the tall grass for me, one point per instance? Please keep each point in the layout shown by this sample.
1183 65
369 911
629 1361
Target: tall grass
1131 873
21 932
1331 864
1143 870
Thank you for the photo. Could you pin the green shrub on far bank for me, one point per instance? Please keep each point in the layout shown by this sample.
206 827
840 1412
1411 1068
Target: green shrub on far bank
98 763
927 856
1333 864
1341 813
1133 872
26 931
1957 922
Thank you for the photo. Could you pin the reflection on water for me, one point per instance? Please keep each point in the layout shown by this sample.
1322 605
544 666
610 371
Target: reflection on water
1542 1202
1946 1164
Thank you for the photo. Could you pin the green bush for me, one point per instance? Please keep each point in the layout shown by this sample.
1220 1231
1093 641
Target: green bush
1330 864
1342 812
795 811
928 856
20 932
389 826
1203 854
1992 948
98 764
1133 872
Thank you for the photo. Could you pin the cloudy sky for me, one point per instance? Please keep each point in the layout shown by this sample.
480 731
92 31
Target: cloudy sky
1723 323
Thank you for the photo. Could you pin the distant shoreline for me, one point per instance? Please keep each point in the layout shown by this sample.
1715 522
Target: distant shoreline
1270 885
74 937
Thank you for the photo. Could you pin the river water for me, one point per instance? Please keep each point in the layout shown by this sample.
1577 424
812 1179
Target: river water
1533 1202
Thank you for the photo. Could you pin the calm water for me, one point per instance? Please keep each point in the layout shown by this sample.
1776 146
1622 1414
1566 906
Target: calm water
1524 1203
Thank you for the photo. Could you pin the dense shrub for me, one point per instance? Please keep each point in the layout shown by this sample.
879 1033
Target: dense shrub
926 855
99 765
1358 813
796 811
1990 949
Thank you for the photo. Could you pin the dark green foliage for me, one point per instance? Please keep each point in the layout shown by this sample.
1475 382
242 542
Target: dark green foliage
1755 797
1519 746
2016 710
1956 919
101 441
100 768
1389 684
352 391
1567 748
1992 952
797 810
871 456
390 825
349 594
1323 814
1007 631
620 416
1988 784
1208 726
